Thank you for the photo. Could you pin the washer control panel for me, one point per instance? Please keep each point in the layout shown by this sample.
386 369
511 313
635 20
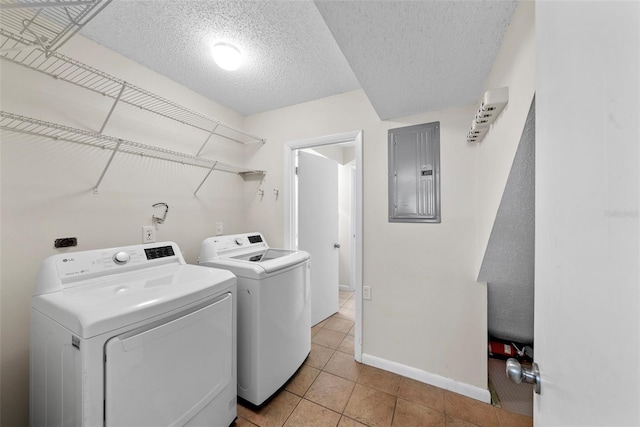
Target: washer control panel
232 244
225 243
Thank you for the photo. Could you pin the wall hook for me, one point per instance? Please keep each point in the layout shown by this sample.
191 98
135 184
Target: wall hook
276 192
261 193
157 220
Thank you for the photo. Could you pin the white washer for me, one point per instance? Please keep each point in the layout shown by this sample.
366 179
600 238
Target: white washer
274 309
132 336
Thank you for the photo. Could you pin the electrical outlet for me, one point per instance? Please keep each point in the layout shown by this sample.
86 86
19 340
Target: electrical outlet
366 293
148 234
219 229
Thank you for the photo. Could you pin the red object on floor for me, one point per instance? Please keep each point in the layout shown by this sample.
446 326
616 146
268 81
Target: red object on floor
501 349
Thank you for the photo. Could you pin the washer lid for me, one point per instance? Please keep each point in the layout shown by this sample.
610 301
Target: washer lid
104 304
258 265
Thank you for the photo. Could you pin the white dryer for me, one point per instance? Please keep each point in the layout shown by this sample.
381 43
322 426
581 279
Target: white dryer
132 336
274 309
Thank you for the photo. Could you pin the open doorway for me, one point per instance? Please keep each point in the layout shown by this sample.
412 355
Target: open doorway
350 142
343 155
508 268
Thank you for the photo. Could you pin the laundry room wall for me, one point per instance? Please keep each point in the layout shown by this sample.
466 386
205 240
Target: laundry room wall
46 188
514 68
427 312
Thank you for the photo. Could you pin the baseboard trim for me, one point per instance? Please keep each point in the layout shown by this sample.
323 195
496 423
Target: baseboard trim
465 389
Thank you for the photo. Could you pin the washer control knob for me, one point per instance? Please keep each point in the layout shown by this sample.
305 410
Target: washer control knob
239 241
121 258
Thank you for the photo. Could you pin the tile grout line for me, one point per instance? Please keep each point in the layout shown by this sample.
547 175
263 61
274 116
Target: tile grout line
294 409
393 414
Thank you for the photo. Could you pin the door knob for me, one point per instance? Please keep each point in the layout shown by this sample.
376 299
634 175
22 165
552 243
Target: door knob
516 373
336 245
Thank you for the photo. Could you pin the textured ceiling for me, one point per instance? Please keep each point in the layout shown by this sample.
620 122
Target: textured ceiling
409 57
417 56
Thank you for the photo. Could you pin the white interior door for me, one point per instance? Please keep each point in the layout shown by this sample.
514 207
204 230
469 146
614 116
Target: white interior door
318 230
587 317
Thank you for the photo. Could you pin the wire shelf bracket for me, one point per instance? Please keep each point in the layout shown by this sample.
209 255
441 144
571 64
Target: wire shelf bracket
113 107
30 126
106 167
205 178
213 132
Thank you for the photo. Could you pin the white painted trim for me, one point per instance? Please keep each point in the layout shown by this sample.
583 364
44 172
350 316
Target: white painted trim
357 247
464 389
352 230
289 207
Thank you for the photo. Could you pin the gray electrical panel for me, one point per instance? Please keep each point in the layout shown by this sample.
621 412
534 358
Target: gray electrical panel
414 173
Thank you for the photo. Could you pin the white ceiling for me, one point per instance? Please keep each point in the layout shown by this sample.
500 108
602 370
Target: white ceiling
408 56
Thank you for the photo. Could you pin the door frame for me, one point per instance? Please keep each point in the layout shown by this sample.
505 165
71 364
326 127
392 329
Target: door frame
290 199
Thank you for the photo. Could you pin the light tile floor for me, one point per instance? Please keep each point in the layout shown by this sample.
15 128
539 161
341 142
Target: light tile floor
332 389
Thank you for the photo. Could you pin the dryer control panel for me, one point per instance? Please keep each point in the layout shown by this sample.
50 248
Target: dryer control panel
67 270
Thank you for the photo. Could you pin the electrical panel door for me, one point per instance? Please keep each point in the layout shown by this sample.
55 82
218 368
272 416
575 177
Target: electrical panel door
414 173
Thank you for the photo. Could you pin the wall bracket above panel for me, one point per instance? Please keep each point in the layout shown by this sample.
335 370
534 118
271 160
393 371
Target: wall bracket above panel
492 105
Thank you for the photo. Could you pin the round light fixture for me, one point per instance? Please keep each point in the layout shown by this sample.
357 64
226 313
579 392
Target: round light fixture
227 56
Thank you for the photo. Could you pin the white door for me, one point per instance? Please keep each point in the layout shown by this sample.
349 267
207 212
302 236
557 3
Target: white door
318 230
587 302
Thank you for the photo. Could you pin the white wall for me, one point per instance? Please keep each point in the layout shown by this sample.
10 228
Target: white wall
422 275
289 124
427 311
514 67
46 189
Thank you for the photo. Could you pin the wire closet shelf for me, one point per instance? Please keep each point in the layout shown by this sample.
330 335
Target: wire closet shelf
56 65
31 126
48 24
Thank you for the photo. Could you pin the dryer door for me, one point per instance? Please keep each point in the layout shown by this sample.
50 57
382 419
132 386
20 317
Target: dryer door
166 374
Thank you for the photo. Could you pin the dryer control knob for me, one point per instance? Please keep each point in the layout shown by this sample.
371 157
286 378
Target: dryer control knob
121 257
239 241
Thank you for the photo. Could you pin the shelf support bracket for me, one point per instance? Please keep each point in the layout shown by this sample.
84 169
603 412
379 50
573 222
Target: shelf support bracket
26 23
113 107
205 178
115 150
213 132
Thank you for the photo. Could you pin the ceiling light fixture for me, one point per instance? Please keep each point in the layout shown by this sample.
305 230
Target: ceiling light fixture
227 56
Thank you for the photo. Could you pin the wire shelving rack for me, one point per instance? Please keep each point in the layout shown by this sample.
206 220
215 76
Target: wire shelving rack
31 126
64 68
48 24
